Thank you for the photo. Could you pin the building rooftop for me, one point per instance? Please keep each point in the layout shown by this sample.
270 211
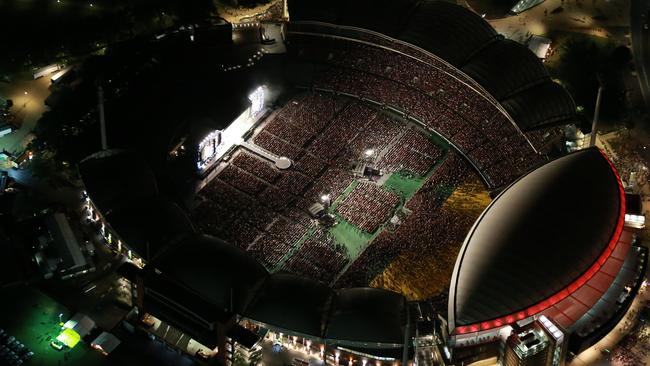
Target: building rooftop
536 238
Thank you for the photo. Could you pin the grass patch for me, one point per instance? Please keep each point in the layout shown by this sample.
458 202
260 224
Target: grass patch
404 184
353 238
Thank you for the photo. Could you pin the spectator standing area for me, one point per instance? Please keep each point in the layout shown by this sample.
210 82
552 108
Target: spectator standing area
264 210
33 318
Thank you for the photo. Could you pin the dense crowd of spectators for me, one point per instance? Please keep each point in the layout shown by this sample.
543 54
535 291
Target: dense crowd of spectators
634 348
378 134
384 41
425 228
344 128
255 166
264 210
442 101
269 251
412 153
241 179
320 258
368 206
276 145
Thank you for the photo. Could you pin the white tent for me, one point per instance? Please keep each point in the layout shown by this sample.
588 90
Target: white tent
81 324
539 45
105 343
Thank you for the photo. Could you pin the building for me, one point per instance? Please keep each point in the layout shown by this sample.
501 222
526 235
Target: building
552 244
539 45
59 252
539 343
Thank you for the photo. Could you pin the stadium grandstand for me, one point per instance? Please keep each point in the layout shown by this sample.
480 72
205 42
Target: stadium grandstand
380 190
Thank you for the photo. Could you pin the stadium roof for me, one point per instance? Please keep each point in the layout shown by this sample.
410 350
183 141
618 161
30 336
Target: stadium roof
449 31
306 300
114 177
509 71
159 222
385 16
367 315
219 272
537 239
541 106
505 67
123 187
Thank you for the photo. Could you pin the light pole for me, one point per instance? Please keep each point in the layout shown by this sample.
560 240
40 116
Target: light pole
594 123
102 119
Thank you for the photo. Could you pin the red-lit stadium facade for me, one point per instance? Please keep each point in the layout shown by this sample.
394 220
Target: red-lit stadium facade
553 243
617 242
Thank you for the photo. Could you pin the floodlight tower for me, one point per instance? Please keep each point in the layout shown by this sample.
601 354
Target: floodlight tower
594 123
102 120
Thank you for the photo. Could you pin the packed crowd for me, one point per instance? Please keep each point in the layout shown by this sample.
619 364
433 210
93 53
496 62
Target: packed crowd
377 136
262 209
343 129
424 230
255 166
276 145
443 103
320 258
368 206
269 251
413 153
634 349
382 40
301 119
241 179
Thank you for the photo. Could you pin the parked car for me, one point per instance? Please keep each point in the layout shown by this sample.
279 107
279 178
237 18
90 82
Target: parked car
57 345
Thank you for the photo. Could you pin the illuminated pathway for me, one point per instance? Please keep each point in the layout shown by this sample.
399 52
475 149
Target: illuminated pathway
575 17
280 161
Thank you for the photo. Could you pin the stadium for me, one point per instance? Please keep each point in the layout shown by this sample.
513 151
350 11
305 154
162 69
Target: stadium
375 186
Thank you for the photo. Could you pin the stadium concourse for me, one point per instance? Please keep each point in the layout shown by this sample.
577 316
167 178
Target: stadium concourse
337 182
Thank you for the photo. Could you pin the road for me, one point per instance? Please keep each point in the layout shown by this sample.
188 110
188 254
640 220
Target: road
29 104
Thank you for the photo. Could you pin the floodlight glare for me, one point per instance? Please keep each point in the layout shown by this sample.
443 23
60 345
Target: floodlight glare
257 100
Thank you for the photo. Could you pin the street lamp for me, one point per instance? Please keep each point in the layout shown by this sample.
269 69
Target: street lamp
60 317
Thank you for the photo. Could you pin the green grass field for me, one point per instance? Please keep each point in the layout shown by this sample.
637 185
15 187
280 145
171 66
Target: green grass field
33 318
352 237
405 185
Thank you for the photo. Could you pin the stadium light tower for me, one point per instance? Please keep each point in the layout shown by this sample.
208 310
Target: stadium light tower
102 121
594 123
325 199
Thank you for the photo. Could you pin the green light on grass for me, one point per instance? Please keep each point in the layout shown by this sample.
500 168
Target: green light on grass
69 337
